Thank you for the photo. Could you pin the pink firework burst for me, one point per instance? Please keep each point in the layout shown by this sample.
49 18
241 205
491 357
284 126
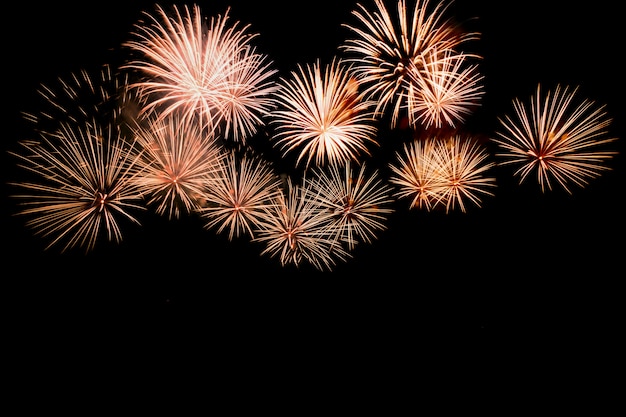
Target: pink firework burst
321 114
207 71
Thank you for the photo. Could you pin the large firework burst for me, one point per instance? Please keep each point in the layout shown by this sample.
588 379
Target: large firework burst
83 184
82 168
394 57
209 72
442 171
179 161
322 115
359 202
296 229
240 193
556 138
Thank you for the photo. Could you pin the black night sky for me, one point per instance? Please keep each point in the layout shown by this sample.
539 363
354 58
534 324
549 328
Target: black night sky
526 267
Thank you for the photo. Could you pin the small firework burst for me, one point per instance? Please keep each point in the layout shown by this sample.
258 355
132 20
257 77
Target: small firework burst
462 164
248 95
414 174
390 52
208 72
239 195
86 97
445 93
83 184
179 161
556 139
442 172
322 114
359 203
296 230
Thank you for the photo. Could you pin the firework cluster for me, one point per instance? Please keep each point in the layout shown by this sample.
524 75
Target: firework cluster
176 129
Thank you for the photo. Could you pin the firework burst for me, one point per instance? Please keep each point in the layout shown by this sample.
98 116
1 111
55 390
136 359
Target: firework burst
296 230
84 99
390 52
83 185
415 175
179 161
556 139
240 194
322 115
462 164
359 202
209 72
442 172
445 93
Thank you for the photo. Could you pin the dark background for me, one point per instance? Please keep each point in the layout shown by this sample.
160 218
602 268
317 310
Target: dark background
526 269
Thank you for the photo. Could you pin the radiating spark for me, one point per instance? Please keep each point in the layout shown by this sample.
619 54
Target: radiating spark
97 98
240 194
207 72
442 171
322 115
359 202
462 165
297 230
445 93
83 185
414 174
390 52
556 139
179 162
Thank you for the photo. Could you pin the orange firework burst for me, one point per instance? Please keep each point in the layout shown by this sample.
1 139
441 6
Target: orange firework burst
296 229
211 74
84 184
82 167
322 115
359 202
179 161
444 171
240 193
556 138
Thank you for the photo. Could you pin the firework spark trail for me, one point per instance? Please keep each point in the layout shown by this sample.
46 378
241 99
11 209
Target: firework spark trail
240 194
179 163
321 113
390 52
297 230
85 184
359 202
210 74
556 138
442 171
